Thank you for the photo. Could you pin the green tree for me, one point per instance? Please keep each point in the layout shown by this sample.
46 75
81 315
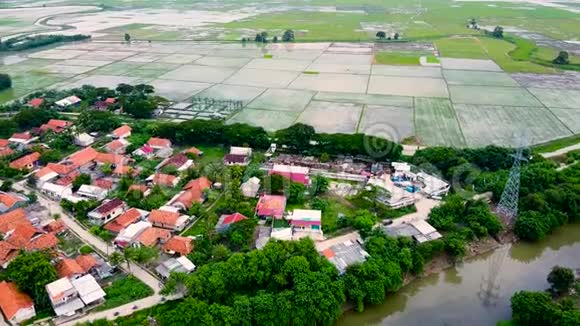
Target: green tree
7 128
82 179
297 136
49 156
127 37
563 58
497 32
363 221
531 226
273 184
142 255
288 36
319 185
29 118
381 35
31 271
99 121
561 279
295 193
116 258
396 36
5 81
6 185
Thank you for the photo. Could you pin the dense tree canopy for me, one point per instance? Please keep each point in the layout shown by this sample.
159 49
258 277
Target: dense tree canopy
28 118
561 279
5 81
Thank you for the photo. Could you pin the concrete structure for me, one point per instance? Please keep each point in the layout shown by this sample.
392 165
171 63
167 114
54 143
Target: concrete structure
306 220
55 191
294 173
180 265
64 297
129 234
107 211
433 186
251 187
68 101
88 289
16 306
389 194
92 192
420 230
346 253
84 140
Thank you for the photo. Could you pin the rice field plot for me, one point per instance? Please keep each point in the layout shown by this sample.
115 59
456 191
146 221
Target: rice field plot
106 55
328 82
57 54
327 117
369 99
179 58
89 63
433 72
282 100
407 86
232 92
269 120
223 61
569 117
66 69
262 78
102 81
237 53
461 48
117 68
389 122
278 64
26 82
558 98
489 95
339 58
144 57
478 78
469 64
196 73
291 54
340 68
568 79
177 90
436 123
488 124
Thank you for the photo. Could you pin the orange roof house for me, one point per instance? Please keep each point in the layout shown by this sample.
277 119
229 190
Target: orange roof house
159 143
165 180
22 234
25 162
152 236
193 150
6 151
110 158
61 169
192 193
67 267
199 183
45 241
117 146
55 125
8 252
4 143
9 221
123 131
36 102
10 201
86 262
167 220
129 217
15 305
82 157
180 245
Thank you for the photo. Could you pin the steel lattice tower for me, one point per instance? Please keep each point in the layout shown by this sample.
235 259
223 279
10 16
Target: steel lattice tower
508 204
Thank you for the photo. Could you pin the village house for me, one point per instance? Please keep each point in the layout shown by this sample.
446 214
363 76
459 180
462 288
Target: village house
297 174
77 267
10 201
178 161
55 125
175 265
227 220
45 174
306 222
178 245
122 132
165 180
68 101
193 192
127 218
107 211
117 146
344 254
128 235
193 151
22 138
84 140
56 191
152 236
35 102
5 149
171 220
141 188
159 143
63 297
16 306
238 156
27 162
145 151
92 192
272 206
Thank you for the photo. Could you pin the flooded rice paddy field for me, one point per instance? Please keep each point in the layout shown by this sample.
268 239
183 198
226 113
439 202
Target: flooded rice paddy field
334 87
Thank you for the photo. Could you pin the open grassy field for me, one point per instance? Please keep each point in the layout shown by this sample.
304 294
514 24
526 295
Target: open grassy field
437 112
397 58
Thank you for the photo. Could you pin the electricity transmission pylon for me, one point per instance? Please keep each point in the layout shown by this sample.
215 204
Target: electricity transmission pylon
489 289
508 204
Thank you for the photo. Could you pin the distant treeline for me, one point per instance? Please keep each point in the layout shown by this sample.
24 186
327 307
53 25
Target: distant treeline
31 42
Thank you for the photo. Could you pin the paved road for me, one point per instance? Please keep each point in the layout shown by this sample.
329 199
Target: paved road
561 151
87 237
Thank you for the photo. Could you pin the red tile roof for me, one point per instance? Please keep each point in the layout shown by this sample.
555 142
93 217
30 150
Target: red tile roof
109 206
193 150
110 100
141 188
121 170
67 267
12 300
7 252
61 169
9 200
10 220
159 142
164 179
153 235
115 145
45 241
83 156
55 125
163 217
122 130
36 102
55 227
121 222
234 218
22 162
22 235
180 245
193 192
177 160
67 179
328 253
104 183
110 158
5 151
22 135
86 262
271 205
199 183
4 142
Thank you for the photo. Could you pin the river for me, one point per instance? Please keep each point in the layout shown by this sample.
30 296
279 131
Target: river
478 292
